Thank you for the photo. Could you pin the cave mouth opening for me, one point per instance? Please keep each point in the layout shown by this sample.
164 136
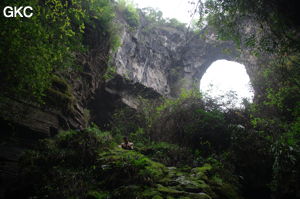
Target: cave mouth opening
228 83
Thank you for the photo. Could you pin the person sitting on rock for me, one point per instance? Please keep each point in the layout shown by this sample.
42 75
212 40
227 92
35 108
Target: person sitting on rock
126 144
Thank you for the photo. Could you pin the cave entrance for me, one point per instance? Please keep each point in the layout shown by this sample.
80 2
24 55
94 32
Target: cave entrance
228 83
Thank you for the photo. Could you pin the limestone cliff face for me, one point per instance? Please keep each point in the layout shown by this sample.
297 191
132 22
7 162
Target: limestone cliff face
153 60
167 58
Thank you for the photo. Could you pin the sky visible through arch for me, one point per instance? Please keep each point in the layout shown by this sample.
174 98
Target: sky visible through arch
223 75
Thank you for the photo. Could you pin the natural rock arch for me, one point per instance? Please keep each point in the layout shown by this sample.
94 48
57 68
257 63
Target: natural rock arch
160 60
167 59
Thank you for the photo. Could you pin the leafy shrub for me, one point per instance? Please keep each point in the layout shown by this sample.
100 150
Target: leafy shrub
166 153
129 12
32 49
127 168
87 164
286 152
175 23
153 15
110 72
251 157
188 122
61 167
126 121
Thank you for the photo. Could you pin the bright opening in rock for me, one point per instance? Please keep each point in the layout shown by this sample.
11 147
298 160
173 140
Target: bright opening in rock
227 82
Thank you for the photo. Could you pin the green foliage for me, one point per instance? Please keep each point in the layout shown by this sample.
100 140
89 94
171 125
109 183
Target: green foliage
139 137
59 95
88 164
286 152
33 48
268 30
283 95
128 167
185 95
256 173
175 23
97 195
86 116
126 121
230 18
110 72
130 12
167 153
277 115
190 123
62 167
186 121
153 15
202 132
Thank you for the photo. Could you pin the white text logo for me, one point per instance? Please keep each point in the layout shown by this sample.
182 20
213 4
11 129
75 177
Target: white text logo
10 11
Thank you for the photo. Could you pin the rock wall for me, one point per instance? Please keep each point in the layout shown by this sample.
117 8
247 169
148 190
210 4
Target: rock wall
153 60
167 58
23 123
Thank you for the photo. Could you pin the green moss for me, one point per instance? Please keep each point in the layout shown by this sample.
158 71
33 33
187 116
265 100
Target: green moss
86 116
157 197
60 95
205 168
130 167
229 191
168 190
105 170
170 197
202 172
97 195
127 191
60 84
150 193
198 196
217 180
195 186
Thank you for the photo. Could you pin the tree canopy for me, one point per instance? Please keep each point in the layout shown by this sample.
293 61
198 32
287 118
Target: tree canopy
31 49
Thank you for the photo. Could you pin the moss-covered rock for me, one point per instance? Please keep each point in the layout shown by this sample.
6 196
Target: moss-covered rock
169 191
97 195
60 95
119 167
88 164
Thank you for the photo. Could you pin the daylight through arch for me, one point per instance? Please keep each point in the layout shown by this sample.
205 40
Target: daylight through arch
227 80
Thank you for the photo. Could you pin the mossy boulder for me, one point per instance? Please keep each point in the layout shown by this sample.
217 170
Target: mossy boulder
59 95
122 167
103 170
